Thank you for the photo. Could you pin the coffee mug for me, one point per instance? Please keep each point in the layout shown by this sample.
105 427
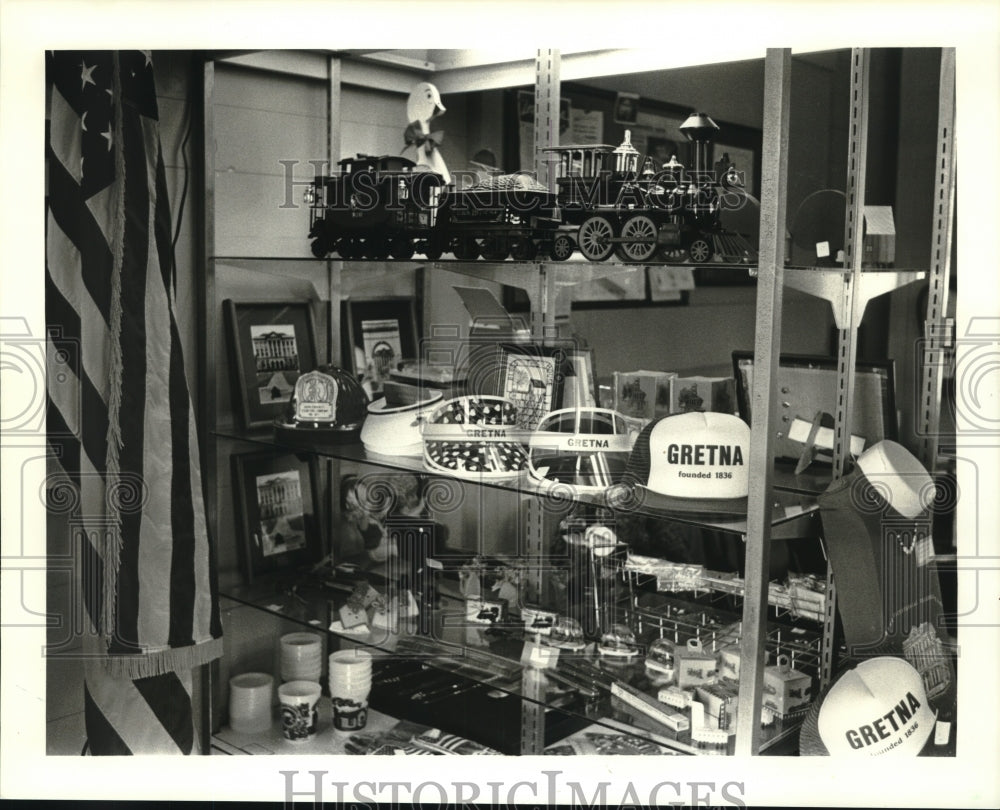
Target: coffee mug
299 712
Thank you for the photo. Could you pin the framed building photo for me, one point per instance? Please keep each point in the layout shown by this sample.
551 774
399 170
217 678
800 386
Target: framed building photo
276 499
270 345
379 334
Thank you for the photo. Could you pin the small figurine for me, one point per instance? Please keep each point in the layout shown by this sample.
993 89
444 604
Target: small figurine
423 106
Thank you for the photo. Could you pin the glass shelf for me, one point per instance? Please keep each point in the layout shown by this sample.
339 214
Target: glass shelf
460 673
792 514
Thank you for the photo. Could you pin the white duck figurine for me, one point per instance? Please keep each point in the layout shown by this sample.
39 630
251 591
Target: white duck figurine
422 107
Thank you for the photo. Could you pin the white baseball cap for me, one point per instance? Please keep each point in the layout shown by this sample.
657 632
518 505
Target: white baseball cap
878 708
692 462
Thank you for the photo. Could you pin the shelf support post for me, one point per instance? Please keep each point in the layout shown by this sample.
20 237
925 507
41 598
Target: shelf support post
853 307
938 342
767 348
333 267
546 112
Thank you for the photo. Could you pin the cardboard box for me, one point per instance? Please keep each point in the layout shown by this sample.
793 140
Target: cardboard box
716 394
693 666
786 690
642 394
729 662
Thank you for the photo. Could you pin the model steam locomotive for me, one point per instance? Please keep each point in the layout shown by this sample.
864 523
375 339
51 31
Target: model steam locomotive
605 202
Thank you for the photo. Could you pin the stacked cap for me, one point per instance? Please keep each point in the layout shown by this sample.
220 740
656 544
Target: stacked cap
879 708
692 462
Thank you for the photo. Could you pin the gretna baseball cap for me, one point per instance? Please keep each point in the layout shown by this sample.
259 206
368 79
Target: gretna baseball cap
691 462
878 708
585 449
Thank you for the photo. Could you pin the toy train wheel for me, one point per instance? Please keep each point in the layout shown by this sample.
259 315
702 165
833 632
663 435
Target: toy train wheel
401 248
700 251
377 247
466 249
432 249
641 231
594 239
562 247
349 248
319 248
494 248
523 249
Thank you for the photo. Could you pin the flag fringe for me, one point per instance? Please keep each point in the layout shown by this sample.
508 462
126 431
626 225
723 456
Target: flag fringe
113 546
150 664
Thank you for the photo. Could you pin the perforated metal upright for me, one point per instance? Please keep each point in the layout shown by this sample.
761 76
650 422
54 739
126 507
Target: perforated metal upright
852 305
546 112
938 344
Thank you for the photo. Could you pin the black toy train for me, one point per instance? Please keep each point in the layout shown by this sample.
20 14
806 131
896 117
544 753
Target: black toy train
604 203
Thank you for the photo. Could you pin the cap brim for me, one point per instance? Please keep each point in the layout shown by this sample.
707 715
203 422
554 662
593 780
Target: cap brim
649 499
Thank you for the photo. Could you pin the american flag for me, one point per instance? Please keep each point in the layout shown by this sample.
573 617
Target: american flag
121 428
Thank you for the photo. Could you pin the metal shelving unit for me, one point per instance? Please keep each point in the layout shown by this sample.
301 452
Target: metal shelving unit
847 289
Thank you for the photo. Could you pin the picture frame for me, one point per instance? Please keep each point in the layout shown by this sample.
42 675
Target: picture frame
270 345
278 516
537 378
377 335
626 108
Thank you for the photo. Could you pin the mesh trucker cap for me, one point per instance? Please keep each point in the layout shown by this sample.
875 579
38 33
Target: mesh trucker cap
691 462
583 448
475 437
878 708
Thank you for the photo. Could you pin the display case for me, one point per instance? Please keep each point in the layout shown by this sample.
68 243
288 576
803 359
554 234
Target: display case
502 683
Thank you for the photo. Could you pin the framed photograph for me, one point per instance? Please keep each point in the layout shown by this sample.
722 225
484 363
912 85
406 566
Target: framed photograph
626 108
276 496
270 345
379 334
537 379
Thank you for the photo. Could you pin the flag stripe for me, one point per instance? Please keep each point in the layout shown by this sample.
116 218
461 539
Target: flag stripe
160 534
62 443
163 231
91 327
101 734
182 576
171 703
133 385
92 576
75 219
209 623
